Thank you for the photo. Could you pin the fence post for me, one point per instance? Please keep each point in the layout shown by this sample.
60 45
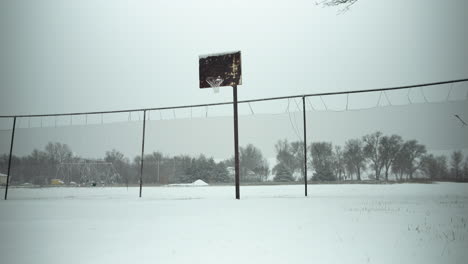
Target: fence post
9 159
142 151
305 144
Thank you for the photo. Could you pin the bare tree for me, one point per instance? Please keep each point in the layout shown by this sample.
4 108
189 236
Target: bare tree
346 4
120 163
409 159
442 165
401 163
339 163
251 159
284 154
58 152
354 156
297 149
435 167
349 166
38 167
456 163
322 160
389 148
372 151
429 167
253 166
465 169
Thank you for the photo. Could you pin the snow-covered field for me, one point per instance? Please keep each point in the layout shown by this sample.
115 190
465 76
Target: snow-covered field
400 223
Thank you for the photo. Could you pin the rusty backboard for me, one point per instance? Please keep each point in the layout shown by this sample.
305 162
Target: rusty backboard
220 65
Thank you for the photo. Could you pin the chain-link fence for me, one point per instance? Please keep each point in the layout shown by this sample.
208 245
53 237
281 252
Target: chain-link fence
397 134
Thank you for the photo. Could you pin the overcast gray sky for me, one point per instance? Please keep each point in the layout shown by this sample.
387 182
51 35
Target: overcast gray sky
91 55
66 56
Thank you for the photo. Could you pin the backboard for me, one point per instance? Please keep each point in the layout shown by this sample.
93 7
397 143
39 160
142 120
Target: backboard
220 66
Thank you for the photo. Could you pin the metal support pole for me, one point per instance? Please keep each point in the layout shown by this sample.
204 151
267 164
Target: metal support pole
9 159
142 151
236 142
305 144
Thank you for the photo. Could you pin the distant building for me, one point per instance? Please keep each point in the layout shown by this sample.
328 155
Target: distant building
3 179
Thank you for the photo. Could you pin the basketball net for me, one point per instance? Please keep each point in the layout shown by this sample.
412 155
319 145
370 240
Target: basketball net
215 82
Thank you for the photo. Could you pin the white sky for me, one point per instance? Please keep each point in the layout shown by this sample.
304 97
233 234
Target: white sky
66 56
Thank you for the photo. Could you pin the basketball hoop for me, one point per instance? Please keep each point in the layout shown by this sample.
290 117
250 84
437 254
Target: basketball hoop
227 67
215 82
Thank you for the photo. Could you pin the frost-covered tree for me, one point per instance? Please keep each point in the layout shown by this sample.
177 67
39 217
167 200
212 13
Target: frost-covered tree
282 173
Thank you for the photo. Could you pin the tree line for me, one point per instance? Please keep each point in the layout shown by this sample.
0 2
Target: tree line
381 157
57 161
374 156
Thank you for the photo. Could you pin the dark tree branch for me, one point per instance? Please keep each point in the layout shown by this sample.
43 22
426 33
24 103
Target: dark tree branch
346 4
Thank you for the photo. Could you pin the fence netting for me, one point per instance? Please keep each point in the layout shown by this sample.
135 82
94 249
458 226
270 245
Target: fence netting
76 155
188 147
400 135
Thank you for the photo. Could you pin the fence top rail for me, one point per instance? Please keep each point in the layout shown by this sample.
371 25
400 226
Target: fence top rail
244 101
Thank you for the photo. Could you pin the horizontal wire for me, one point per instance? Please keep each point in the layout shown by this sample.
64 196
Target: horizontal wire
244 101
259 115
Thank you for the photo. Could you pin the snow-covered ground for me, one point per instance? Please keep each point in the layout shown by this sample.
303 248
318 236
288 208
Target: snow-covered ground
400 223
